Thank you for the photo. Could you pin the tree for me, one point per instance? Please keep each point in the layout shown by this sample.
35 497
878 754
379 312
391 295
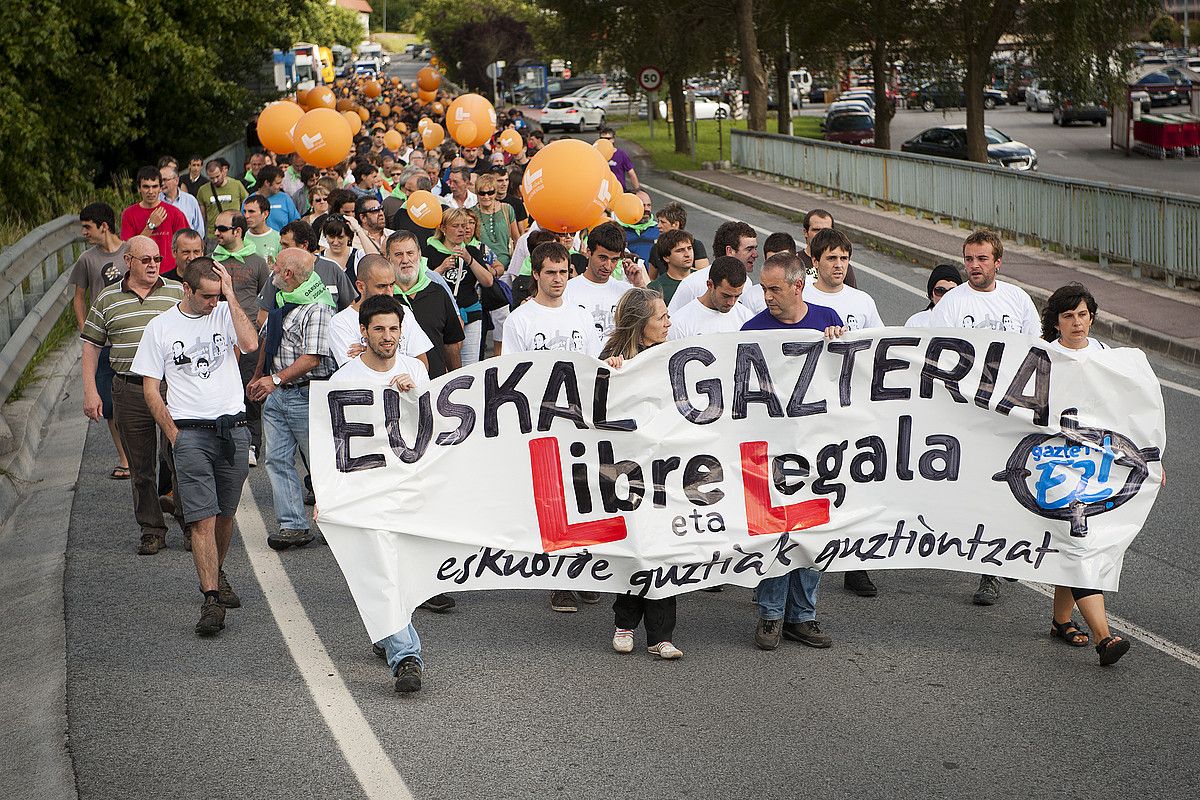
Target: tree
323 24
470 34
753 71
1166 30
400 14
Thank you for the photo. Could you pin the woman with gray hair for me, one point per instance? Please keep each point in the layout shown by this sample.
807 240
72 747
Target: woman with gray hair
641 322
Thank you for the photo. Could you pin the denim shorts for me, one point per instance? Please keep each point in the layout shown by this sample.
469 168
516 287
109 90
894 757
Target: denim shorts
208 485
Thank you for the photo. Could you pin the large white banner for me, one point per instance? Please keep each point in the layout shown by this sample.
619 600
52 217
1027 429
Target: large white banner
724 459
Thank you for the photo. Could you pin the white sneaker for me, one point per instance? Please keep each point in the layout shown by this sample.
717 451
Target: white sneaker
253 456
665 651
623 641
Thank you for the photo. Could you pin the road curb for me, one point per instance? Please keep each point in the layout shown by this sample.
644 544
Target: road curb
37 488
1107 326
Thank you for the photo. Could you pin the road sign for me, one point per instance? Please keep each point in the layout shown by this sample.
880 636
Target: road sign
650 78
494 69
720 113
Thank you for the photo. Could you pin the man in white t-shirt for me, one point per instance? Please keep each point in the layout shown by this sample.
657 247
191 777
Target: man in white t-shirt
983 301
376 276
381 319
830 251
735 239
204 418
546 321
718 309
596 291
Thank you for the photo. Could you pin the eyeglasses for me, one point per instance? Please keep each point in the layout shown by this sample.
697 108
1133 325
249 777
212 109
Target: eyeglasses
223 228
147 260
372 210
486 194
320 199
941 290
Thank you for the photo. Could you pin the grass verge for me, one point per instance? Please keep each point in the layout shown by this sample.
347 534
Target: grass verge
662 147
394 42
63 329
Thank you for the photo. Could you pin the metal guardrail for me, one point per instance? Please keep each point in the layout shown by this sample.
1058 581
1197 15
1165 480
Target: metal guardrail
1138 227
33 284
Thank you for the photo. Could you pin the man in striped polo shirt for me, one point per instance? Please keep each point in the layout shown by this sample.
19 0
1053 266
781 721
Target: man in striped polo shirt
119 316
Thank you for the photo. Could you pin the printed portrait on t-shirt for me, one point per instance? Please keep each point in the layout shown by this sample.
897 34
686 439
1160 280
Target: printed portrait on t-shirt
577 342
968 321
539 341
853 322
110 273
202 358
603 317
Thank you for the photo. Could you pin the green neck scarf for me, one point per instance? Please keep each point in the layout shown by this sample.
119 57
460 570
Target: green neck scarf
642 226
311 291
400 194
423 280
438 245
248 249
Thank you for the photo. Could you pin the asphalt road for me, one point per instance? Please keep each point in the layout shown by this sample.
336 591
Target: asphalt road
921 695
1077 151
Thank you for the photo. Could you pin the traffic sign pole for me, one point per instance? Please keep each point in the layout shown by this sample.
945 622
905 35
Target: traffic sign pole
650 79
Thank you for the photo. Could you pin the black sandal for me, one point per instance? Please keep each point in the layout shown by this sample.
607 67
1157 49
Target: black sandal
1111 648
1069 632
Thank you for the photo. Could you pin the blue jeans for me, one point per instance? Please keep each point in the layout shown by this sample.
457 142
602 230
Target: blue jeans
285 427
400 645
791 597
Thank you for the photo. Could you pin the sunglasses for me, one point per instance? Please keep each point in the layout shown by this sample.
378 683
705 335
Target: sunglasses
486 194
223 228
320 199
372 210
148 260
940 290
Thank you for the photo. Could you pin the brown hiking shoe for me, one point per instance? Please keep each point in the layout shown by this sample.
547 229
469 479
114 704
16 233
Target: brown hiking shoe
228 598
151 544
212 618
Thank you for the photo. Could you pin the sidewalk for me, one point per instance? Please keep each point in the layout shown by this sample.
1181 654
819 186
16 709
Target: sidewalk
1135 311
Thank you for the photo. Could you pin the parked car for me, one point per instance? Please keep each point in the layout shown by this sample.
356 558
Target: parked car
705 108
610 97
949 95
1067 111
572 113
1142 98
1038 97
950 141
851 129
1164 89
849 106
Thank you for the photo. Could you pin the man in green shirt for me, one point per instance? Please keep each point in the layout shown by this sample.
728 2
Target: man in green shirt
221 193
674 248
264 238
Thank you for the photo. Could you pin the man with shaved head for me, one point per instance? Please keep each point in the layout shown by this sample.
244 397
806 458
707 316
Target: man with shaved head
295 352
119 316
376 276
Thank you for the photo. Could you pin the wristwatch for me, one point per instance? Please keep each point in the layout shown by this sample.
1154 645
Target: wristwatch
275 380
151 225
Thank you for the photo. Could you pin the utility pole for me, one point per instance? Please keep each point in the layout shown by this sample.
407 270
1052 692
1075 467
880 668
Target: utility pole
385 5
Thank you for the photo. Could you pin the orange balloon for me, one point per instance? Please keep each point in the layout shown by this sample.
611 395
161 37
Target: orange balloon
433 135
321 97
429 78
433 61
423 123
385 110
392 140
477 110
566 187
510 142
465 133
438 108
355 122
302 97
426 97
372 88
628 208
395 81
345 104
400 126
424 208
275 126
605 148
363 114
323 138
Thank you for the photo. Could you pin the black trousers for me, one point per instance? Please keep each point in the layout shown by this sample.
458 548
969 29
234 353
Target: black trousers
1079 594
629 611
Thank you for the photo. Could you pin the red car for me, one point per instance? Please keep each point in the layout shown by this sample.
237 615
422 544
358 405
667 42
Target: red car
851 129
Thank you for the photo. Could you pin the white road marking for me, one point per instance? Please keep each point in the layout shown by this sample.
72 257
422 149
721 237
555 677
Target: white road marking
1179 387
1176 651
375 772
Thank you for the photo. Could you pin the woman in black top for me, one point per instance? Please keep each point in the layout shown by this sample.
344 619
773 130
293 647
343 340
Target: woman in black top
462 265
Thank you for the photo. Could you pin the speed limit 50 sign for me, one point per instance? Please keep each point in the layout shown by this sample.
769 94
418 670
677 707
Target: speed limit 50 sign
650 78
